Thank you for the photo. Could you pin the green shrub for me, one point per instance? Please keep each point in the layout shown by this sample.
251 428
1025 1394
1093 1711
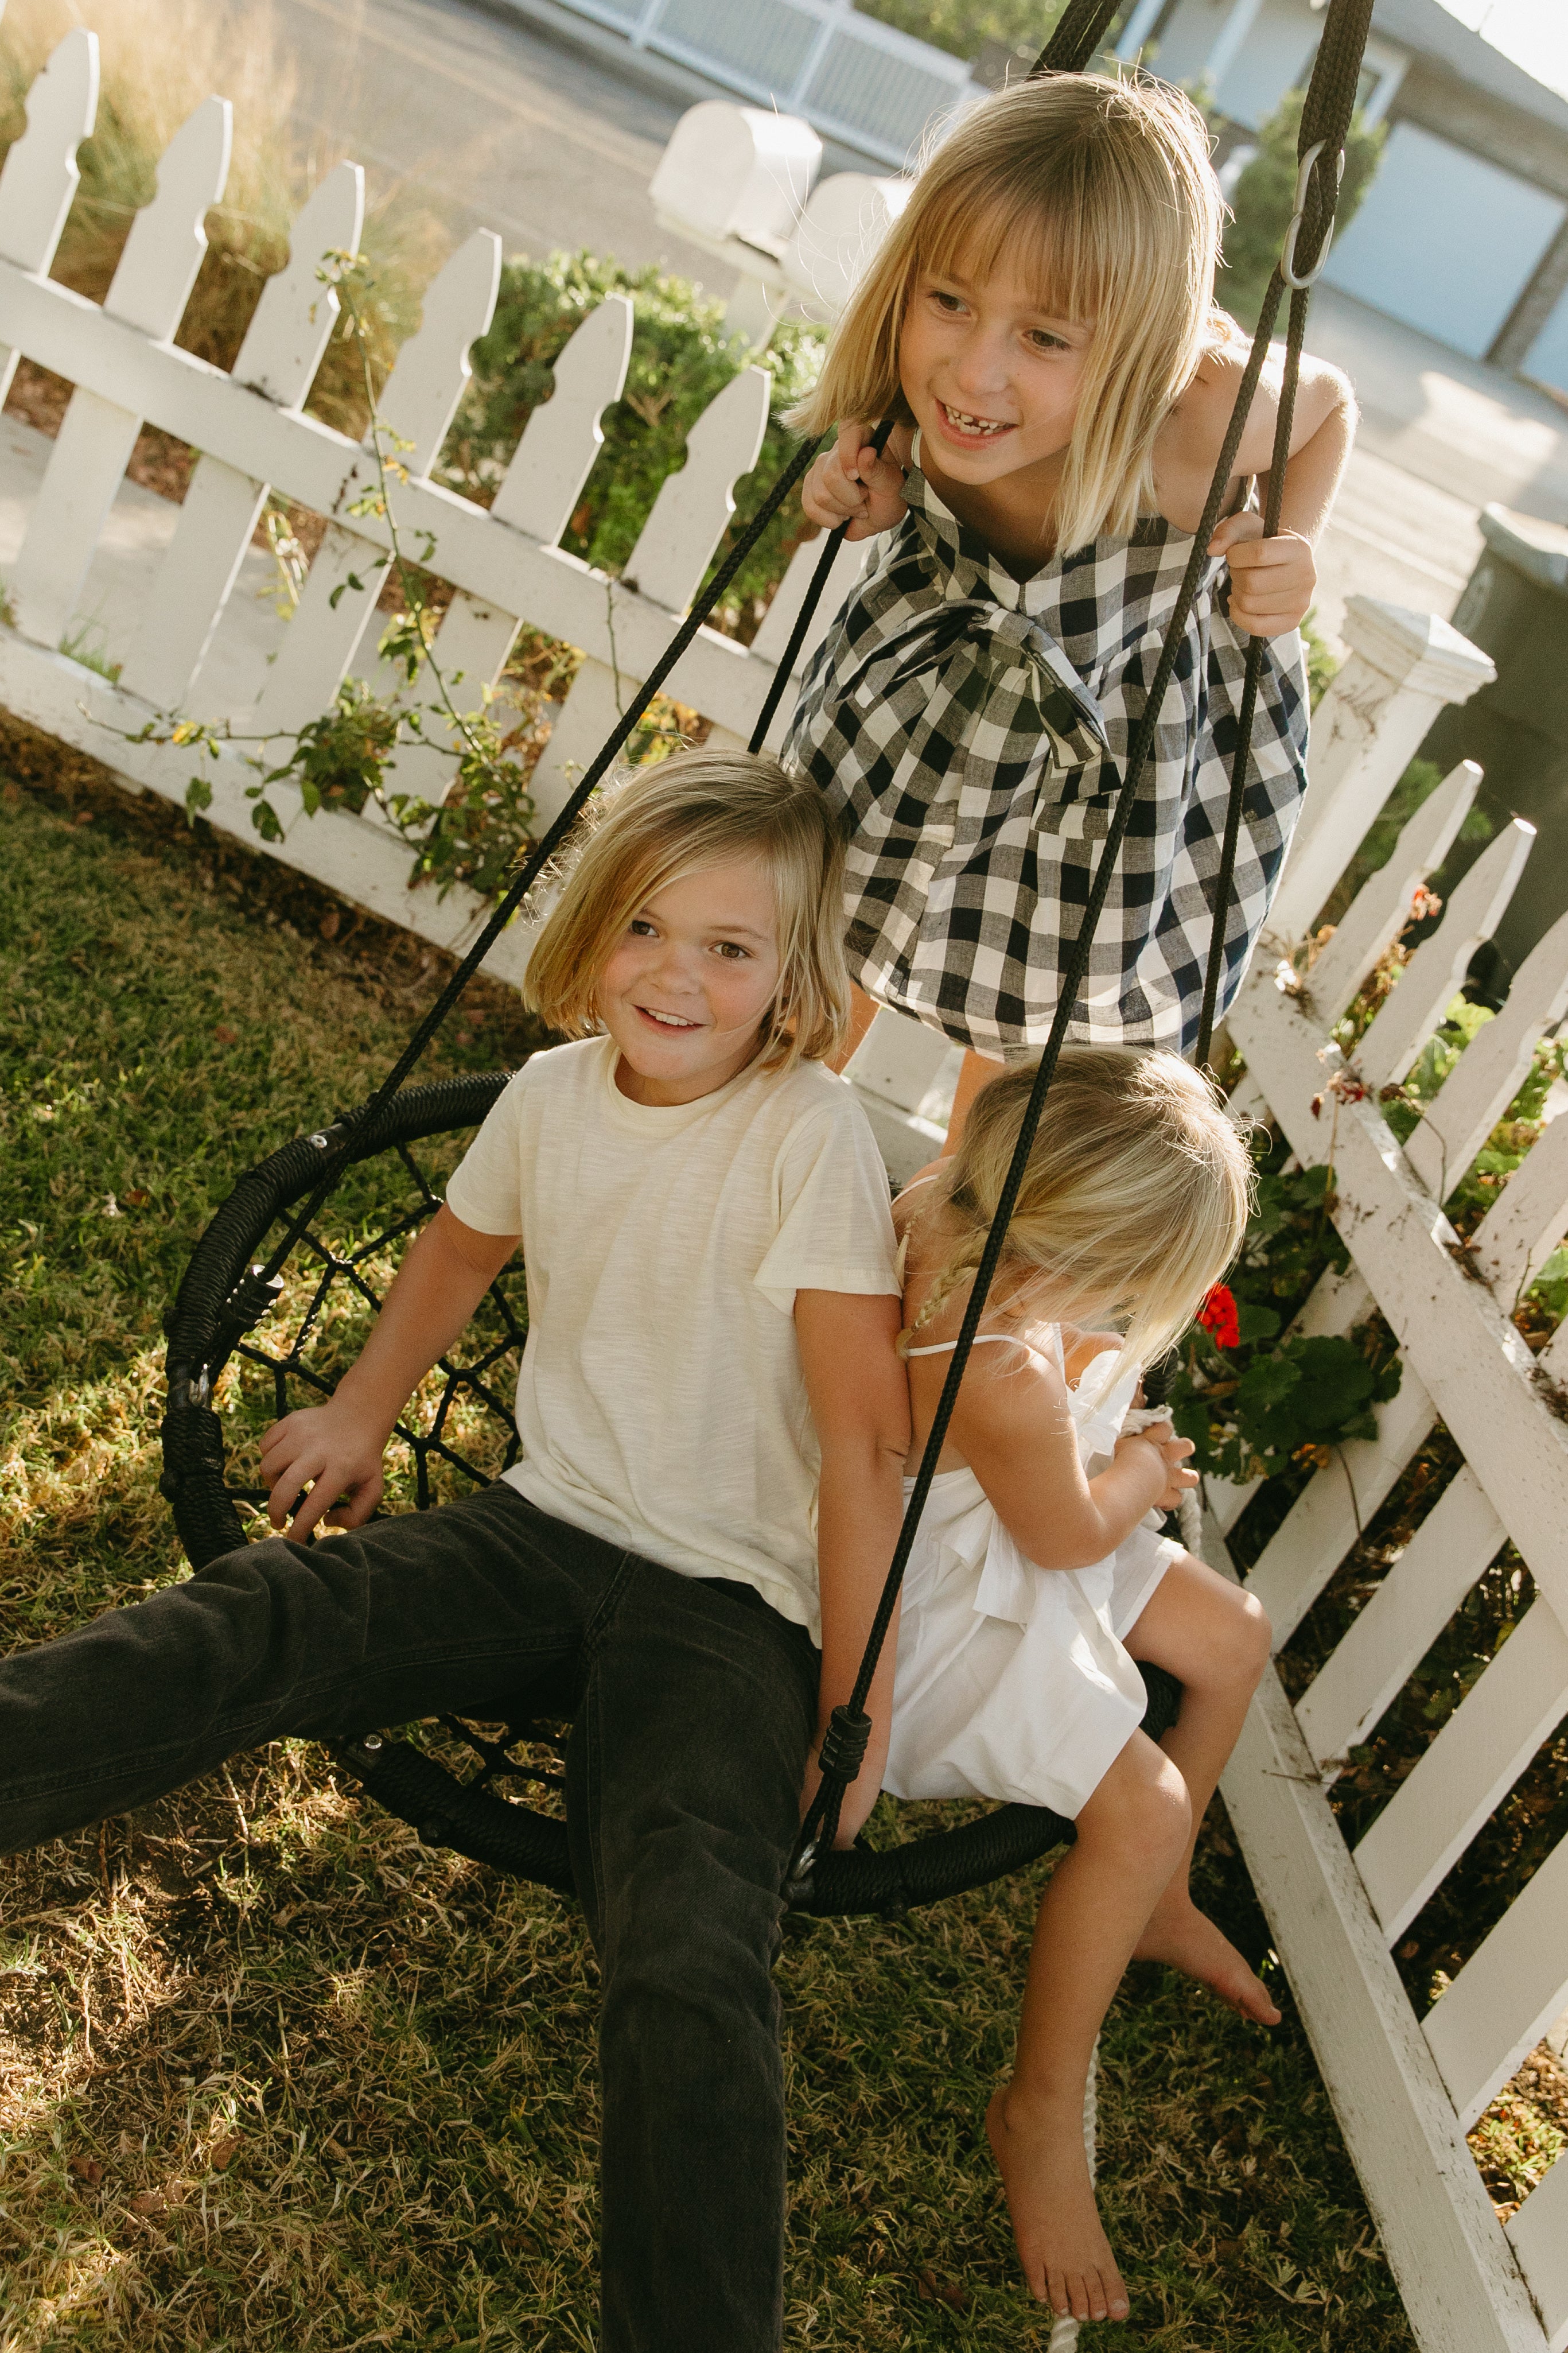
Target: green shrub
681 361
1322 662
1265 196
1261 1405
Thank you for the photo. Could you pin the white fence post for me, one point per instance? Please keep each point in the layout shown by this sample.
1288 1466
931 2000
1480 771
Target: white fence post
1402 669
150 290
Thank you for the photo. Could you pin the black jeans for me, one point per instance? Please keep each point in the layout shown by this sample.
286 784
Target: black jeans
695 1707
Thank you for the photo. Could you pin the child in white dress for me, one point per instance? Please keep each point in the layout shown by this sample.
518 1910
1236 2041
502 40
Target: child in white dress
1039 1576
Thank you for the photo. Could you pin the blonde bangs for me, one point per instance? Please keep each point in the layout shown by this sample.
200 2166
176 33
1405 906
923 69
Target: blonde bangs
1098 194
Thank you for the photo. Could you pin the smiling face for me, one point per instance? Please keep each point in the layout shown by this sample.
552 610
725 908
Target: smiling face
991 379
686 990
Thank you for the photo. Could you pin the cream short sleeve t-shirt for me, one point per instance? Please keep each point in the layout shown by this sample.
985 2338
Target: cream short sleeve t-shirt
661 1402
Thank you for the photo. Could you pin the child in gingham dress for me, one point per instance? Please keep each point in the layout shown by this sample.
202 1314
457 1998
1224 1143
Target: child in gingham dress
1040 322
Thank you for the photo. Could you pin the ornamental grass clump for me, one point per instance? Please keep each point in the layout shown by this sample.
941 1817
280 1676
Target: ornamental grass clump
158 60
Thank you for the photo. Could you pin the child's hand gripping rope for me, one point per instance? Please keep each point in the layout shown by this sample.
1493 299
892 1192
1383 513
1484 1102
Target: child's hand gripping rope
1152 1426
1272 581
851 484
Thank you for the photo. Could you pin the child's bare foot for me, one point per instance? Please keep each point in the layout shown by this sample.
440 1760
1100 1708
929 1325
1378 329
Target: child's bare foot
1065 2253
1186 1938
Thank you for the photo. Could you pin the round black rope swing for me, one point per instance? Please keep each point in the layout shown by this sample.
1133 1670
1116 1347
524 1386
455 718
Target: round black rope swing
224 1296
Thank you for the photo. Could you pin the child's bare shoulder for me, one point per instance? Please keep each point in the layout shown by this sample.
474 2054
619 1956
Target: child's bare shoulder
916 1194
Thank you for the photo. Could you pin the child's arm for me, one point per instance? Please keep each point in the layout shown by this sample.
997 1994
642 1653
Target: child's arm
335 1449
851 484
1272 580
1014 1426
860 1402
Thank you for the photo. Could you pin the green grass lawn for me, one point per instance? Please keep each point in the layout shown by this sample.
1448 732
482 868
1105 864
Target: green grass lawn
274 2076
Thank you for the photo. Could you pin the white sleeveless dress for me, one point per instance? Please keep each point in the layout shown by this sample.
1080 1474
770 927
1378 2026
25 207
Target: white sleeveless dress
1012 1681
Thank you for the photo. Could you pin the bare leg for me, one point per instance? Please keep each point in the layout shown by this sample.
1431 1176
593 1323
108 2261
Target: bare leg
1216 1638
976 1069
863 1011
1130 1836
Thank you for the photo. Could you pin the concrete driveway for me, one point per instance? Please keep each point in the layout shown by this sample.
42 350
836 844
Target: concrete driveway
1441 437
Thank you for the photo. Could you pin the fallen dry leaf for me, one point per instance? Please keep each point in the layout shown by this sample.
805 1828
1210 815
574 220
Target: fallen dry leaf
224 1035
148 2201
941 2291
86 2169
220 2156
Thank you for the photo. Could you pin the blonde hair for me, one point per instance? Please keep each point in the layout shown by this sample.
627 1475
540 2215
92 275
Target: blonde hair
1134 1201
661 823
1107 185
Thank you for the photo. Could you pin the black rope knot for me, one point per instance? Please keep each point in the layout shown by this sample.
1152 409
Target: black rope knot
843 1744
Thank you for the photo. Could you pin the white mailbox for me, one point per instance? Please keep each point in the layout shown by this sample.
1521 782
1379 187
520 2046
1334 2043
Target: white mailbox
845 221
736 171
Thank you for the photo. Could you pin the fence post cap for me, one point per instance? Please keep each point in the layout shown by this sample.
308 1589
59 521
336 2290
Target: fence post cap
1534 546
1417 649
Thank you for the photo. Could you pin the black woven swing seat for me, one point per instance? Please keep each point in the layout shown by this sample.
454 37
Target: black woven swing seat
224 1310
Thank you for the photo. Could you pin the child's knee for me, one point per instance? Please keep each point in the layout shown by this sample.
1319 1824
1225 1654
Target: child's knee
1142 1804
1247 1640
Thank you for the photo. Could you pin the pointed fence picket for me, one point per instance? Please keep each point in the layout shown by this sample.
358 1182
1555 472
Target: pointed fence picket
149 292
282 349
253 436
41 176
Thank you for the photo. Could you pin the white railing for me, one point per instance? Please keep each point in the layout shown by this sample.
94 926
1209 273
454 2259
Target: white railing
1406 2089
851 76
186 638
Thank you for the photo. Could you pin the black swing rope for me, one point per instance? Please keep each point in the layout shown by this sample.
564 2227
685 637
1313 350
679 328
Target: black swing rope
221 1301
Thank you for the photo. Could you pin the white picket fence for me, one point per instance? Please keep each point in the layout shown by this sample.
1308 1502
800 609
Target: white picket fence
1405 2090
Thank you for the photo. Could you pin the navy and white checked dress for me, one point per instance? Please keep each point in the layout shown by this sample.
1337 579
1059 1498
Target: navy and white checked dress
971 730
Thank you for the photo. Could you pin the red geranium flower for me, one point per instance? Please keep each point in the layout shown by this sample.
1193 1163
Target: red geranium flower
1218 1317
